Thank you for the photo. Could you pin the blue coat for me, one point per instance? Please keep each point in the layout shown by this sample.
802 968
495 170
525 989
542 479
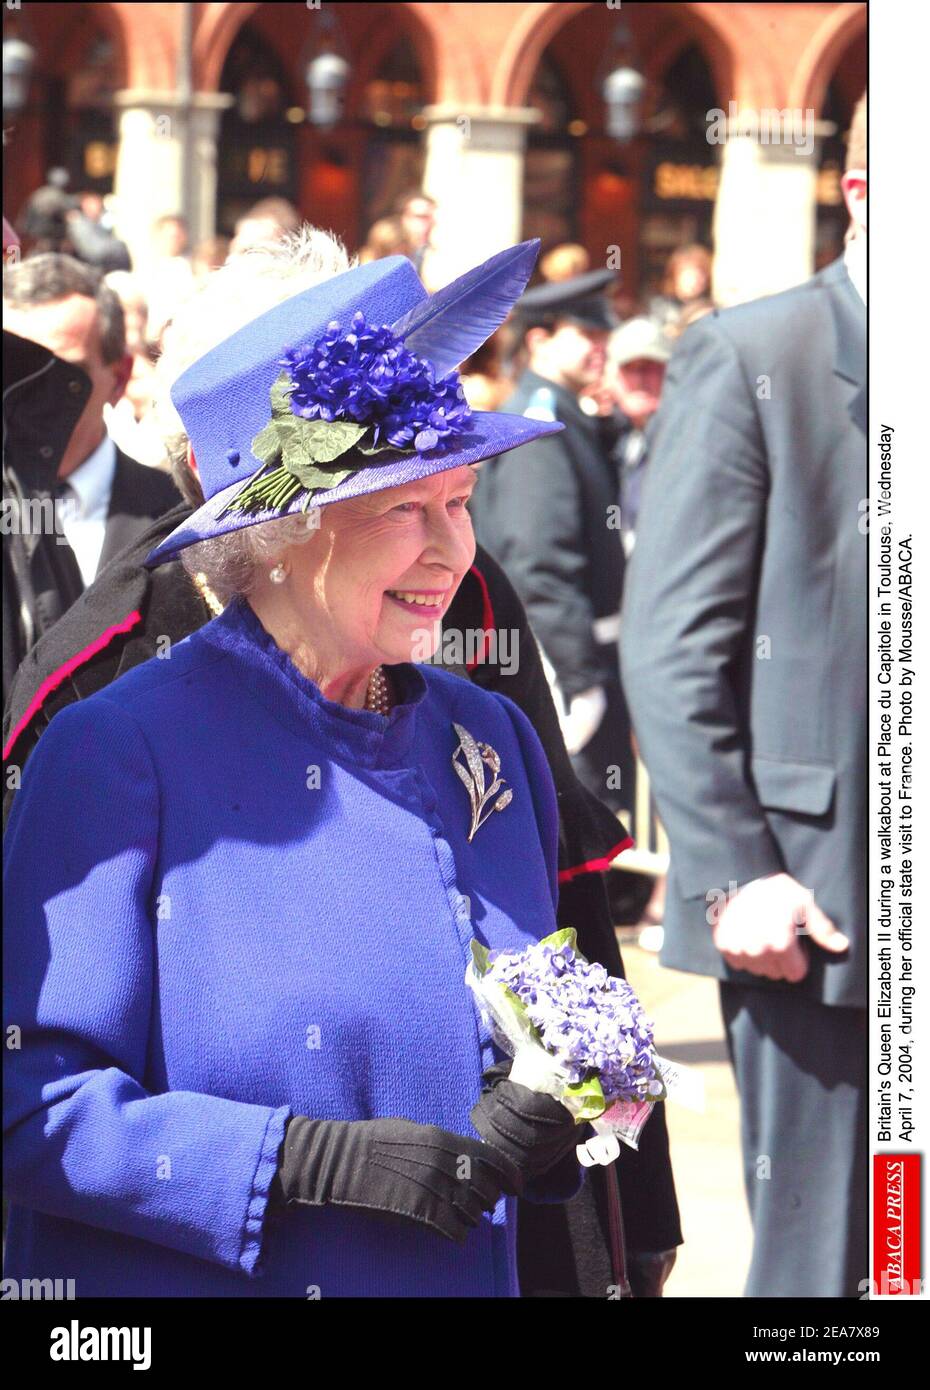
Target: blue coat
230 900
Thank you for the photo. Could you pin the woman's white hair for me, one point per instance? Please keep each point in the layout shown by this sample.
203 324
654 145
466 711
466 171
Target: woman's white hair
238 292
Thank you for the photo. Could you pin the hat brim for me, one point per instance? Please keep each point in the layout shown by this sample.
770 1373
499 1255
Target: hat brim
646 355
490 433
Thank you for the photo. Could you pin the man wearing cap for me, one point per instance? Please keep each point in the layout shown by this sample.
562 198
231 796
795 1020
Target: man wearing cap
637 354
545 513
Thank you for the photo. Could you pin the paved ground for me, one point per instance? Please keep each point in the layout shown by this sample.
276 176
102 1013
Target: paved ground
705 1146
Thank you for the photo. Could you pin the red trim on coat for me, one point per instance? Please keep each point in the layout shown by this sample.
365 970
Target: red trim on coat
53 681
487 618
595 866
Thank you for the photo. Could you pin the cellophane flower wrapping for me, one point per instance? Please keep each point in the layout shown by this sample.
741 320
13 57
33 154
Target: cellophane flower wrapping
574 1031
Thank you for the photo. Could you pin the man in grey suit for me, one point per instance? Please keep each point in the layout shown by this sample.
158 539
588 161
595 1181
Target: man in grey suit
744 659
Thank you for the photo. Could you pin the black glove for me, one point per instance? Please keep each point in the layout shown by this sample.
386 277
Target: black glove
535 1131
395 1169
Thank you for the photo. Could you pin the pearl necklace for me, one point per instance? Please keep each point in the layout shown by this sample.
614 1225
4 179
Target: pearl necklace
377 698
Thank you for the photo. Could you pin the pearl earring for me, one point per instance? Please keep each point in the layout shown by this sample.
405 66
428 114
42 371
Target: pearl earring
278 574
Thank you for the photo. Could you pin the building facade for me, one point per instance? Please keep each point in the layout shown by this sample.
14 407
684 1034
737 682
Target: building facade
497 110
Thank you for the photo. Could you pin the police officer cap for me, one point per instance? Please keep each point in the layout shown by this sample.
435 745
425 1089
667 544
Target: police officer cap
580 299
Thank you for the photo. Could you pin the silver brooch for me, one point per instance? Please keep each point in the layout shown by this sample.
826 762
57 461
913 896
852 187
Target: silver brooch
477 757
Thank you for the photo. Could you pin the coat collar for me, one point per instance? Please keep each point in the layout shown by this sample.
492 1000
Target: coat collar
268 673
43 399
566 401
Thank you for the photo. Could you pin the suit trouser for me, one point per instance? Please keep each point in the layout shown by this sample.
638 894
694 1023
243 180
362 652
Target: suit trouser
801 1071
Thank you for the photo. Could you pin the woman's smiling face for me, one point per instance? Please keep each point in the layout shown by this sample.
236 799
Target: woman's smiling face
379 574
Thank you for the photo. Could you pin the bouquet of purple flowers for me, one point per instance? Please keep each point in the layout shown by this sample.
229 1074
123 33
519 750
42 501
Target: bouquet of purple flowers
574 1032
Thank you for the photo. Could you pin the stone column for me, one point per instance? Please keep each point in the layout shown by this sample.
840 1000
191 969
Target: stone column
206 119
156 138
765 218
474 170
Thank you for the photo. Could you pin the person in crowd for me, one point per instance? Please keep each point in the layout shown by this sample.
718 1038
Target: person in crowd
209 255
44 398
544 514
93 207
688 276
130 423
42 219
270 219
690 314
564 262
637 356
335 1145
91 234
564 1248
484 381
386 237
416 212
102 497
40 573
55 220
130 291
745 665
169 280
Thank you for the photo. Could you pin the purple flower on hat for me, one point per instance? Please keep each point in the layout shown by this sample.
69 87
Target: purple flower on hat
368 376
360 390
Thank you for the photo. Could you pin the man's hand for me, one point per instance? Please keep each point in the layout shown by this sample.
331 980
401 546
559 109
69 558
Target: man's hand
760 929
581 723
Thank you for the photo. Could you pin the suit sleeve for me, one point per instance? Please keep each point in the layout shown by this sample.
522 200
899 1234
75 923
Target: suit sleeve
84 1139
687 613
539 514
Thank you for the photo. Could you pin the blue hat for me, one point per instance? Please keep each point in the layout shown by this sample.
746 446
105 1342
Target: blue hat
345 389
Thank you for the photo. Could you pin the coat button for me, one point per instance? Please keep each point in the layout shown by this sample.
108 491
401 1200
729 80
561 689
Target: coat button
74 386
46 451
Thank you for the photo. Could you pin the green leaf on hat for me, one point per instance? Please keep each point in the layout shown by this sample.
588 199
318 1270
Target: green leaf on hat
267 444
381 449
326 440
281 393
321 478
300 461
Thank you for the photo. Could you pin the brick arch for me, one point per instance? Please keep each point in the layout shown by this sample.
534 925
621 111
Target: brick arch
818 62
727 37
146 36
221 22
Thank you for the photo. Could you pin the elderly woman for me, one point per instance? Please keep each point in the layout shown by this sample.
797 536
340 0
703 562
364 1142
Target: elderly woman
243 878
